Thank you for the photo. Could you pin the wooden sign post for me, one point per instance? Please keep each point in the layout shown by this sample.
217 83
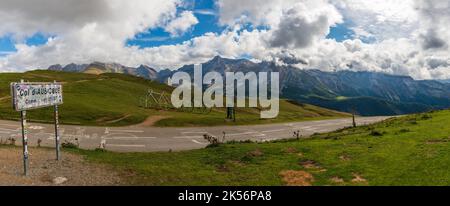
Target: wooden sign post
27 96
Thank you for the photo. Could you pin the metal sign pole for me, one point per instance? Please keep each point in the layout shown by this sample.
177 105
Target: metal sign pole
27 96
57 138
23 115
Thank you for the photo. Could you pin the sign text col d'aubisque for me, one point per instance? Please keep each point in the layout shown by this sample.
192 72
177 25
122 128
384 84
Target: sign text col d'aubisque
28 96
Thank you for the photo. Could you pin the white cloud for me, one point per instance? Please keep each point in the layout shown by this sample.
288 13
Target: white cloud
407 34
183 23
21 17
435 18
263 12
400 30
304 24
209 12
380 19
257 12
85 30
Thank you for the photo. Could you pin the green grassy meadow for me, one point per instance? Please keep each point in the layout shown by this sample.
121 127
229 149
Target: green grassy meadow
114 100
412 150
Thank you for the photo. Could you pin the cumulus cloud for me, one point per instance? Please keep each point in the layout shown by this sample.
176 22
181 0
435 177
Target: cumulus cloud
180 25
378 20
404 37
431 40
305 23
84 30
435 17
257 12
20 17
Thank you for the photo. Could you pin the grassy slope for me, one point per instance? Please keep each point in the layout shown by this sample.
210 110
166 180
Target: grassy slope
88 100
289 112
113 100
412 150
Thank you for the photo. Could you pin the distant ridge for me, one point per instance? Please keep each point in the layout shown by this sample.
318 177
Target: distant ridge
365 93
143 71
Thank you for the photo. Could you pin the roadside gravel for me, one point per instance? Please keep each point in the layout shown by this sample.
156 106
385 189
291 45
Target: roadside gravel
44 169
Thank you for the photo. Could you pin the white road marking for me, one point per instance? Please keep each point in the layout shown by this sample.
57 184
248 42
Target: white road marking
13 130
197 142
306 128
238 134
36 127
5 132
127 131
9 125
67 136
124 145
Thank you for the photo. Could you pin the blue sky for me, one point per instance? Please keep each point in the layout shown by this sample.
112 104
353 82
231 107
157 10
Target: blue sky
207 23
405 37
7 43
205 11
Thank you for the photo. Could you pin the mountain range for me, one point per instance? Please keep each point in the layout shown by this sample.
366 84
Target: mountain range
99 68
364 93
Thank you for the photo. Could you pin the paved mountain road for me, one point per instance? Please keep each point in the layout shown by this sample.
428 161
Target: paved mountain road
150 139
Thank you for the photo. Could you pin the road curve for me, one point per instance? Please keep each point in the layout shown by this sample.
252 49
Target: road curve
151 139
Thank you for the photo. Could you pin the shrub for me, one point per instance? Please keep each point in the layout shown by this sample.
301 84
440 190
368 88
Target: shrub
376 133
426 117
404 130
100 150
240 142
69 145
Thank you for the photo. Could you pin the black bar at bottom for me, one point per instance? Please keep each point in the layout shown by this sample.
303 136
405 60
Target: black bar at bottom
222 195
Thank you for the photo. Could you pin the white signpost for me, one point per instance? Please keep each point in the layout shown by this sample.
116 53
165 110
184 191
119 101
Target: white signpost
28 96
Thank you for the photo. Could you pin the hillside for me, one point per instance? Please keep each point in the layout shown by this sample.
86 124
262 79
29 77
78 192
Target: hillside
367 93
114 100
407 151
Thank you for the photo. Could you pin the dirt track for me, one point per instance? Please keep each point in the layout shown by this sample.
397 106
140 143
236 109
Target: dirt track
44 169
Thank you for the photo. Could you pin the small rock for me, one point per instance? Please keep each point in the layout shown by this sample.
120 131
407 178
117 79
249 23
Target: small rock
358 178
337 180
59 180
